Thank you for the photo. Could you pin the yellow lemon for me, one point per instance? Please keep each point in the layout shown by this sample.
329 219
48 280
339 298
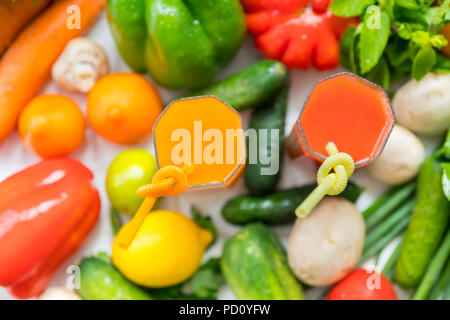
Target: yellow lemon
167 250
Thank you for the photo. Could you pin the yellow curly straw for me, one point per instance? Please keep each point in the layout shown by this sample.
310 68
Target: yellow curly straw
328 183
167 181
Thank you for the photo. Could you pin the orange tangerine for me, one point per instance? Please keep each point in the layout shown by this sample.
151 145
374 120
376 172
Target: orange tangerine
122 107
52 125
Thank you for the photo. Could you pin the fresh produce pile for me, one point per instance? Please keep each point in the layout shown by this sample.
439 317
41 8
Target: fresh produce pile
50 208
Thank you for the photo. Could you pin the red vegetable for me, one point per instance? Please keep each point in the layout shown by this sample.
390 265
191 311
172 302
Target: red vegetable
299 37
46 211
363 285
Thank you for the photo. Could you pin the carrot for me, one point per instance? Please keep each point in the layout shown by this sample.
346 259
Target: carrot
26 65
14 16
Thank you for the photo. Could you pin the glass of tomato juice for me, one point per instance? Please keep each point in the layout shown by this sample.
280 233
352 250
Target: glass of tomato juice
345 109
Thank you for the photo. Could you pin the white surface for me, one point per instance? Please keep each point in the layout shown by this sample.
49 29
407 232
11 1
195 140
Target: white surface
96 153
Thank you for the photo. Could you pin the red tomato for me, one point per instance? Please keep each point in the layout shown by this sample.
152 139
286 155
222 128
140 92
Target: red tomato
363 285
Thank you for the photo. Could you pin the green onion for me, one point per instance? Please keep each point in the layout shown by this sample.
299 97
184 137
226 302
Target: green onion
446 295
434 269
384 227
379 202
387 203
444 280
388 268
379 246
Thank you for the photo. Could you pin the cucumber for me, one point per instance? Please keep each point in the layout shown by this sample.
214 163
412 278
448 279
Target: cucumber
254 265
276 208
257 176
101 281
250 87
427 226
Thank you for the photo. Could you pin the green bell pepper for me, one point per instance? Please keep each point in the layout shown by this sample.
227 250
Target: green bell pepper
180 43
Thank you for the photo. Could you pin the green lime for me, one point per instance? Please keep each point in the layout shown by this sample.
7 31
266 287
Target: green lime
130 170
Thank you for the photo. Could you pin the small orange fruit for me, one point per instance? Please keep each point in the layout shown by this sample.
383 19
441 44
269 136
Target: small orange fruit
122 107
52 125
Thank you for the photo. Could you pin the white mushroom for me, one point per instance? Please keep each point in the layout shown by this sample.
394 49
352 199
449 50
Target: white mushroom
80 65
326 246
59 293
401 158
424 106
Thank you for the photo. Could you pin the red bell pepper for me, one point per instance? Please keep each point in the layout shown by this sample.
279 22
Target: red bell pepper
46 211
297 35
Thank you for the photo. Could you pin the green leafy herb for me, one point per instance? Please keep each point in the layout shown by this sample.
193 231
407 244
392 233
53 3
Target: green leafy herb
374 37
423 62
169 293
203 285
396 39
442 64
350 8
444 152
347 49
380 74
208 279
204 222
409 4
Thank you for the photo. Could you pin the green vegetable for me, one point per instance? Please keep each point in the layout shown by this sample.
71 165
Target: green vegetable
349 8
348 49
434 269
446 295
442 64
380 74
251 87
444 280
395 39
203 285
206 282
446 179
384 241
101 281
276 208
180 43
254 265
374 37
428 224
381 229
390 264
204 222
260 175
444 155
388 202
424 62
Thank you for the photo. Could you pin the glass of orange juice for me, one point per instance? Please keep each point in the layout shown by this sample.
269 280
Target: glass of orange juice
205 132
345 109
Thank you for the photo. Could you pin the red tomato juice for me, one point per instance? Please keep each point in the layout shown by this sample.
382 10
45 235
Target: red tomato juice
349 111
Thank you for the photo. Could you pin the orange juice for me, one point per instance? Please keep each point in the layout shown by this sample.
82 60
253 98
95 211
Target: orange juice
205 132
347 110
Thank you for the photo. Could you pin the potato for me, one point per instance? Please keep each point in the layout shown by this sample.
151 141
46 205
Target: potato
424 106
401 159
326 246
